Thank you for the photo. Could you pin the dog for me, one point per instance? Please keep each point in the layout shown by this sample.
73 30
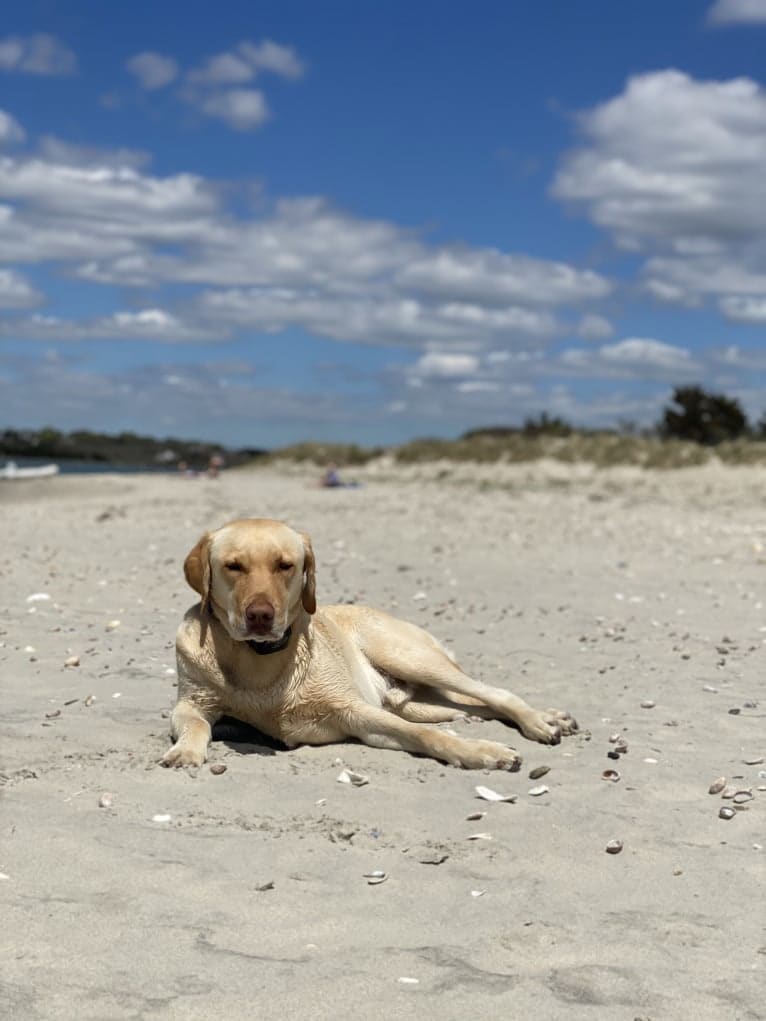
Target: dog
257 648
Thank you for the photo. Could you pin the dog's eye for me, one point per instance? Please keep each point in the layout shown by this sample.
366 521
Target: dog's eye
234 566
285 565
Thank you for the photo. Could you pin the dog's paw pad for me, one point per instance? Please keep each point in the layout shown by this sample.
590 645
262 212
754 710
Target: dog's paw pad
180 755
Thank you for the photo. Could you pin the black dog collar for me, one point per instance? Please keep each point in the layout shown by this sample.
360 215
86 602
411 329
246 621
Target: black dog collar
266 648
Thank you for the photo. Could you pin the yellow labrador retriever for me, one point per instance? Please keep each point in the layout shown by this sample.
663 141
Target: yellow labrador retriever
257 648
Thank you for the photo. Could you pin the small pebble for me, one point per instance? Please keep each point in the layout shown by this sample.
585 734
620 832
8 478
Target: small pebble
89 700
710 688
613 755
112 625
407 981
726 813
475 816
610 774
265 886
614 738
161 818
613 847
734 712
753 761
717 785
217 768
648 704
52 715
478 893
72 661
105 801
538 771
678 872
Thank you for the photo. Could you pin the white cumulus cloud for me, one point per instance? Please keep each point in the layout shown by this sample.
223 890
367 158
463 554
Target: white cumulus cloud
153 70
241 109
40 53
10 129
738 12
674 167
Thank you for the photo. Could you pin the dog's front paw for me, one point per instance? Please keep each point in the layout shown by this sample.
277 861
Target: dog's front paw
183 755
548 726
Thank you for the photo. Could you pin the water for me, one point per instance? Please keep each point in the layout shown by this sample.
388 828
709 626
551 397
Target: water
67 467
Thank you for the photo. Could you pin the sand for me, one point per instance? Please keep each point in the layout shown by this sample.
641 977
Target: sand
585 590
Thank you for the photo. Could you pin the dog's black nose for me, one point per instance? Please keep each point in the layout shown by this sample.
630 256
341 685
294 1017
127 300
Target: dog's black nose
260 615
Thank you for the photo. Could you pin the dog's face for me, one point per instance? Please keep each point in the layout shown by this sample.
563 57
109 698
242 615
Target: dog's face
254 575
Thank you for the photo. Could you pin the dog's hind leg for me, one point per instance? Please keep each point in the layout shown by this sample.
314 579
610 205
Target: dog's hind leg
412 655
380 728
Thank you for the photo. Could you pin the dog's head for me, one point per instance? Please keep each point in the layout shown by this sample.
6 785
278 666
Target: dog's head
254 575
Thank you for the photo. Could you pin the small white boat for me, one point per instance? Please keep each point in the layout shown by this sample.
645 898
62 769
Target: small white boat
38 471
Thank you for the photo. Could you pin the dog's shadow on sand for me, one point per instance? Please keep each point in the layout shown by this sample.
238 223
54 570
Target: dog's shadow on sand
244 739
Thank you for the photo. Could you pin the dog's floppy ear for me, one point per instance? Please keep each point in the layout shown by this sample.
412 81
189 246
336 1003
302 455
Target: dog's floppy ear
197 569
309 593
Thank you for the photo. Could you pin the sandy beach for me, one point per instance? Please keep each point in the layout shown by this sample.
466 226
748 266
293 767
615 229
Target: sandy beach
192 895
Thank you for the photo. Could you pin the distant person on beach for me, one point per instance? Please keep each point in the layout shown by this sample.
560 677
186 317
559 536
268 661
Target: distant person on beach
214 466
331 479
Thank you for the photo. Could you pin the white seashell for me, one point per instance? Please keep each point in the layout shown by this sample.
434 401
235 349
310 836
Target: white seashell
38 597
535 792
756 761
89 700
613 847
161 818
652 762
105 801
610 774
419 596
407 981
717 785
710 688
726 813
117 694
4 875
321 801
355 779
614 738
72 661
478 893
489 795
648 704
29 648
375 878
112 625
479 836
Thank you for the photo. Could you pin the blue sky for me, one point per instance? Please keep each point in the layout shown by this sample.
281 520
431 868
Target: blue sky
260 223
